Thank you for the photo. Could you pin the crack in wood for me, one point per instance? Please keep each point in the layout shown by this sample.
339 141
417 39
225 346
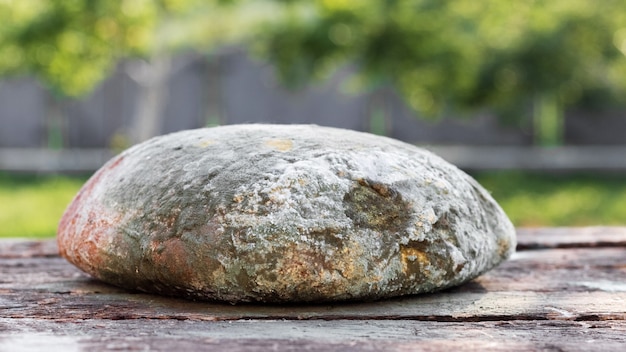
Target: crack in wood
572 317
529 246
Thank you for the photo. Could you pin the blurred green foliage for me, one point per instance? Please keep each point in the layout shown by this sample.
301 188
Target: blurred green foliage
534 199
519 57
31 206
71 45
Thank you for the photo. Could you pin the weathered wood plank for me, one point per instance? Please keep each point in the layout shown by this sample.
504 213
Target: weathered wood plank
53 161
565 290
470 307
571 237
337 335
21 248
562 159
571 284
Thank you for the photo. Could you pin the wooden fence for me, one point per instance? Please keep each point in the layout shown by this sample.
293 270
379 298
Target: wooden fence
43 133
232 88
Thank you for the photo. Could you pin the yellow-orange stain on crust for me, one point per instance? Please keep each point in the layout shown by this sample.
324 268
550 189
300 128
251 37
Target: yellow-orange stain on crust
504 245
349 267
282 145
206 143
412 257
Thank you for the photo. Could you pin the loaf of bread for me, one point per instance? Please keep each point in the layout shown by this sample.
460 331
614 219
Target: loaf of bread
283 213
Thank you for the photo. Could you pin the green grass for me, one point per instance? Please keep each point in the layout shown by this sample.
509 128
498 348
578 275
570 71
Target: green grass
558 200
31 206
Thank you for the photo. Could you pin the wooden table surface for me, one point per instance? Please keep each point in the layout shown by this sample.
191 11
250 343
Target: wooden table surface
565 289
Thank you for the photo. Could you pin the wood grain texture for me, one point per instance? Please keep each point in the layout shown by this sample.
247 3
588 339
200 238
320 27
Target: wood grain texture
567 237
562 291
336 335
575 284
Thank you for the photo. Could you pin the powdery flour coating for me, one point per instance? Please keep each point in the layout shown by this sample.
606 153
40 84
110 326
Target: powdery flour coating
283 213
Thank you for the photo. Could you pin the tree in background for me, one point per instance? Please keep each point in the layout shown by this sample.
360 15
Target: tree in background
71 45
558 54
516 57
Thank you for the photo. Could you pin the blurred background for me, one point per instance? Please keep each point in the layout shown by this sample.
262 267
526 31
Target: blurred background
527 96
